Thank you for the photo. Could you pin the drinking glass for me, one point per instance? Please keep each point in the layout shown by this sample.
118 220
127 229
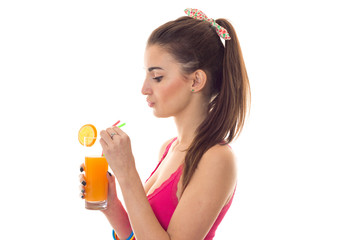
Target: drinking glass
96 168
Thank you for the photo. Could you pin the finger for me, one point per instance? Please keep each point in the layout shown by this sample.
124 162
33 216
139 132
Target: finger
118 131
82 195
110 177
82 191
82 167
105 136
111 132
112 185
103 144
82 188
82 179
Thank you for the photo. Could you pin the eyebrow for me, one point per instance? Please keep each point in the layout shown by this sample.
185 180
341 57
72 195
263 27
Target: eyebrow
153 68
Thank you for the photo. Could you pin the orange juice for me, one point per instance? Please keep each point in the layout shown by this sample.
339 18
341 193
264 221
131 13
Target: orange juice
96 188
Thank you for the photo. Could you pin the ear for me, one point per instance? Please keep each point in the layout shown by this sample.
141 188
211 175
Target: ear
199 79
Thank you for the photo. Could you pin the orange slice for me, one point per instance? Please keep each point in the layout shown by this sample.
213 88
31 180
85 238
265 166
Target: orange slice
87 130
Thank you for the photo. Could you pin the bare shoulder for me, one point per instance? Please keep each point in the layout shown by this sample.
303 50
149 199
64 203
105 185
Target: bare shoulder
218 170
163 147
219 158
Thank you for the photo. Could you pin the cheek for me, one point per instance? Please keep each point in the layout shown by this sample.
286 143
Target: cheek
173 89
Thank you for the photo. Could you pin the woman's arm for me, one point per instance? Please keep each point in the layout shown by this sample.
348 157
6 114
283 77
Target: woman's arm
121 160
115 213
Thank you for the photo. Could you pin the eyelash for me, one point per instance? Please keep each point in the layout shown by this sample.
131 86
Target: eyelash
158 79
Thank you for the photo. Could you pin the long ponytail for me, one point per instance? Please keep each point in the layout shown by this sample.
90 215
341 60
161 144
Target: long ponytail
227 110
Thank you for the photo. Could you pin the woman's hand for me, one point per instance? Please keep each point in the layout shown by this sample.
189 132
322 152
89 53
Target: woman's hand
117 150
112 195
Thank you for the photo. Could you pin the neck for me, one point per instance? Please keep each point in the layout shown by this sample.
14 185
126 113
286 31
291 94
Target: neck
187 122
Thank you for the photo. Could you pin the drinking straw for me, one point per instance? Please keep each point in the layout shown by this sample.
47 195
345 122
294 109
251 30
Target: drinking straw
116 123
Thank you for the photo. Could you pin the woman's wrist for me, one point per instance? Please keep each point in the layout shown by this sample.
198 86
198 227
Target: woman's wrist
125 175
131 236
112 207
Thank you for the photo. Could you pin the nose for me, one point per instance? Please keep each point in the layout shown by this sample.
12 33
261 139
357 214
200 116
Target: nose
146 88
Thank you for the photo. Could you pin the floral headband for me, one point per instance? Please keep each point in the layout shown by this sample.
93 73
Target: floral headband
197 14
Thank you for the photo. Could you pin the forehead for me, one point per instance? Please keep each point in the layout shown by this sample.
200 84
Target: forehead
156 56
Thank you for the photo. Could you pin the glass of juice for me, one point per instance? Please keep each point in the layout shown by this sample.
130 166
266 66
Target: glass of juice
96 168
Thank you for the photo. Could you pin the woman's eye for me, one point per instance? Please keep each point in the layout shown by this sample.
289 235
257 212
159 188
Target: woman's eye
158 79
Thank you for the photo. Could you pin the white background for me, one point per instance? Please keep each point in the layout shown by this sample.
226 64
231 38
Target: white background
67 63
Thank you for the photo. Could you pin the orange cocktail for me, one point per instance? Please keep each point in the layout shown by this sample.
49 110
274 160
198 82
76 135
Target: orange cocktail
96 167
96 188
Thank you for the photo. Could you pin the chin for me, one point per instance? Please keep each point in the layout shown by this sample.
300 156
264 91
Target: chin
159 114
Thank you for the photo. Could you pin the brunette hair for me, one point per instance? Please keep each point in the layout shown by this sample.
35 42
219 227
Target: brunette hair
196 45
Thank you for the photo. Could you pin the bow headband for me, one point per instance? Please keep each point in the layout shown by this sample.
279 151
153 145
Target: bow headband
197 14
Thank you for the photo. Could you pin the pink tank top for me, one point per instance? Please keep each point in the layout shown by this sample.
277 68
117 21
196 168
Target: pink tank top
164 200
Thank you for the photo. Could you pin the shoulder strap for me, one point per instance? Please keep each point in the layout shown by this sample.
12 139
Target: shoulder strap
167 149
162 158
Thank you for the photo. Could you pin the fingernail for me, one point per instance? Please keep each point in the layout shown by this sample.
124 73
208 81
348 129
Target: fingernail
83 183
81 169
82 196
83 190
109 174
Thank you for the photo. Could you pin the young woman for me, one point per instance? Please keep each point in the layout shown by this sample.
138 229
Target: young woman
201 82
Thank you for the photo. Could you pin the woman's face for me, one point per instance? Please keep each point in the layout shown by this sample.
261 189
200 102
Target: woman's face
168 91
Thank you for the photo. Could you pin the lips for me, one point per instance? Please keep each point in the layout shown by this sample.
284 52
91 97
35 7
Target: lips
150 103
